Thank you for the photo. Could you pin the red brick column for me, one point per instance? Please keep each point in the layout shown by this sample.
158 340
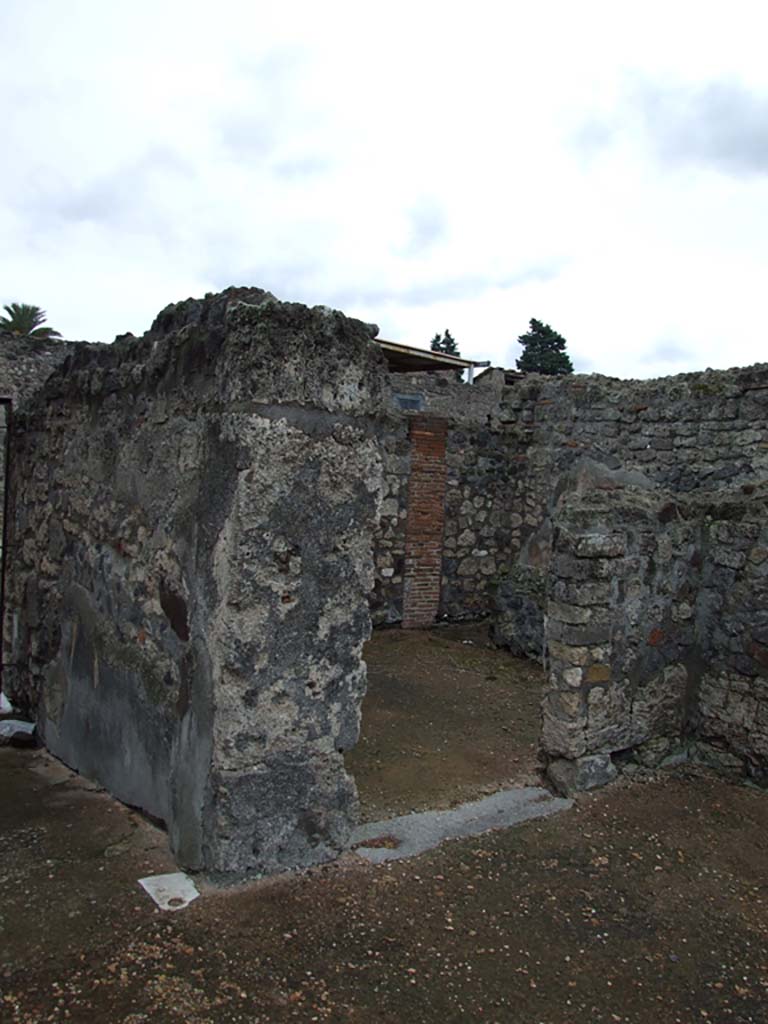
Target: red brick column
424 522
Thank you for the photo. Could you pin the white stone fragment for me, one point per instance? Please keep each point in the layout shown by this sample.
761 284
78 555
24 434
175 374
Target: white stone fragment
170 892
11 727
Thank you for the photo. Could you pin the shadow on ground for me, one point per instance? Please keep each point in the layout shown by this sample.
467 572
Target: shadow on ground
646 902
447 718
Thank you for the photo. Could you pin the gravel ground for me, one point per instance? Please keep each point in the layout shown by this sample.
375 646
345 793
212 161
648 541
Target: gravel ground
647 902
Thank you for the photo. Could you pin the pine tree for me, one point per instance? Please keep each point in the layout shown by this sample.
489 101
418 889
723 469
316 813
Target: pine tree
446 344
543 351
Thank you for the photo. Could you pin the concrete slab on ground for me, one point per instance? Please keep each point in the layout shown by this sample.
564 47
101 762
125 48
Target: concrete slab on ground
412 834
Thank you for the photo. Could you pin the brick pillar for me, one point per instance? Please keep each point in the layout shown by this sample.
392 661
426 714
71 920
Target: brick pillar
424 522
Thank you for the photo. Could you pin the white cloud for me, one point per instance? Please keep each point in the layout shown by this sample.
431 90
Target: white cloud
420 166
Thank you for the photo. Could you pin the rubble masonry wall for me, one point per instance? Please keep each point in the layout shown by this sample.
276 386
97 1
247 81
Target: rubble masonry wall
649 498
656 629
193 525
192 516
528 462
508 444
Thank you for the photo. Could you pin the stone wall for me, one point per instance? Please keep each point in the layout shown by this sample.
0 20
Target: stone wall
588 514
509 440
192 516
619 630
731 722
25 363
687 433
193 527
655 630
479 535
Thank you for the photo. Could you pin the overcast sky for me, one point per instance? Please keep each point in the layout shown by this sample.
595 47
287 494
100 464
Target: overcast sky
599 166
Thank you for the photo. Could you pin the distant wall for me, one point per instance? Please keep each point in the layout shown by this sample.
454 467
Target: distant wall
543 476
508 441
480 527
25 363
191 524
686 433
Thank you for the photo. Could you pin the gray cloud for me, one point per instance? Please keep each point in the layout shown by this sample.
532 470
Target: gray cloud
721 125
293 282
301 169
669 352
468 286
248 135
428 226
266 111
123 197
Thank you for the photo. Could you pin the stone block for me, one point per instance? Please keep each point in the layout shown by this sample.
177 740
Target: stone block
597 674
569 655
563 724
654 751
572 614
573 676
609 545
609 721
659 704
570 777
579 636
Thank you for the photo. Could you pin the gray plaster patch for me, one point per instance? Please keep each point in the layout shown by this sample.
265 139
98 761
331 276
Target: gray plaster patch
412 834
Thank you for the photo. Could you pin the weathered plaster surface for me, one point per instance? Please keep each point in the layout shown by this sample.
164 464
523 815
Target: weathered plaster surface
192 519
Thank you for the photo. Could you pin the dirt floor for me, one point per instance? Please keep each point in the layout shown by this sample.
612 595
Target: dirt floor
645 903
447 718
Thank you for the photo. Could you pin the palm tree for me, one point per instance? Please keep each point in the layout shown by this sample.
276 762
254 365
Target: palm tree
25 321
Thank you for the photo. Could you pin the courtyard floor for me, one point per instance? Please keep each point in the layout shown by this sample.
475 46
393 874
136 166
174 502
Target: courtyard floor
447 718
646 902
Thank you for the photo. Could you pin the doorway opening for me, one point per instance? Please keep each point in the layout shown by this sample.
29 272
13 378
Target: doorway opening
447 718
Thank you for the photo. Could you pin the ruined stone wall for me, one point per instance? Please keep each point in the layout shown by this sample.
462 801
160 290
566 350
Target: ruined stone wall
509 442
619 631
653 650
685 433
655 630
682 434
480 537
731 720
386 599
192 518
25 363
